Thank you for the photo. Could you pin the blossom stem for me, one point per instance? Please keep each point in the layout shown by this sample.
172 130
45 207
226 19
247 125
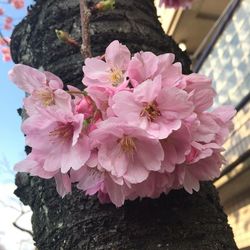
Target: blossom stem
77 92
85 16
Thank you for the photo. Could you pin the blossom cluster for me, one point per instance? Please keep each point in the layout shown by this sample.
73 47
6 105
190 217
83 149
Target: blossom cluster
7 24
175 3
140 128
5 49
8 21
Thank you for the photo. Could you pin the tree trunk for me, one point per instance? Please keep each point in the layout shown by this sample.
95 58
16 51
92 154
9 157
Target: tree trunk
173 222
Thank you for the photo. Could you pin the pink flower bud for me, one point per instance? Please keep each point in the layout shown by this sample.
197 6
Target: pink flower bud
85 106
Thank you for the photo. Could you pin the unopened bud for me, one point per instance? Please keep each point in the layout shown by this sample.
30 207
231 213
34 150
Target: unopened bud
66 38
86 107
104 5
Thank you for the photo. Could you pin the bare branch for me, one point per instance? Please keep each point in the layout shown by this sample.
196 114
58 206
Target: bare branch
22 229
22 213
85 16
6 41
19 227
9 206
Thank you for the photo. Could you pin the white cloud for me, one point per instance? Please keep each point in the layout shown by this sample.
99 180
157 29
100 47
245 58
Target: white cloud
12 238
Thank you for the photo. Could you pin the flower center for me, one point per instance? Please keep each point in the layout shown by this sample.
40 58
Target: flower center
151 111
116 76
127 144
63 131
46 97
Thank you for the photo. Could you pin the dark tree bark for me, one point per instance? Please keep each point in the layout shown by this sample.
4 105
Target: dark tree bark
178 221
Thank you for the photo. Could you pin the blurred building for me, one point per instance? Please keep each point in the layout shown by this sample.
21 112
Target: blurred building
216 34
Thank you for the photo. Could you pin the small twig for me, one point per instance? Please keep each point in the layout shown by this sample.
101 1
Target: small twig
22 229
9 206
6 41
85 16
22 212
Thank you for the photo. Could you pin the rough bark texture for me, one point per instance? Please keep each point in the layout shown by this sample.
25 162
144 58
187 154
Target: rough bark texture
178 221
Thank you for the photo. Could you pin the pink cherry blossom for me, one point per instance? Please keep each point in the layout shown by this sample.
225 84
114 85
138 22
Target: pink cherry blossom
157 110
146 65
141 128
18 4
8 19
176 147
6 54
200 91
30 79
110 73
215 126
156 184
8 23
153 187
101 96
200 151
33 164
207 129
127 151
89 179
58 134
223 117
44 88
189 175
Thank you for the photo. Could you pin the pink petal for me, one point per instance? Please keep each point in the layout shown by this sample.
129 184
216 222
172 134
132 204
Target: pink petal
136 173
190 183
77 155
142 66
63 184
95 69
27 78
117 55
150 154
115 192
63 100
125 99
54 81
148 90
176 101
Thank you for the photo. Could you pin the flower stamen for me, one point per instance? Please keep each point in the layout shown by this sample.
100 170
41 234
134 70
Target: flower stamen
127 144
116 76
46 97
150 111
63 131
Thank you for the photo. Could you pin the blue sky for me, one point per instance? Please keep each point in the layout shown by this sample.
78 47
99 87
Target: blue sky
11 137
11 151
